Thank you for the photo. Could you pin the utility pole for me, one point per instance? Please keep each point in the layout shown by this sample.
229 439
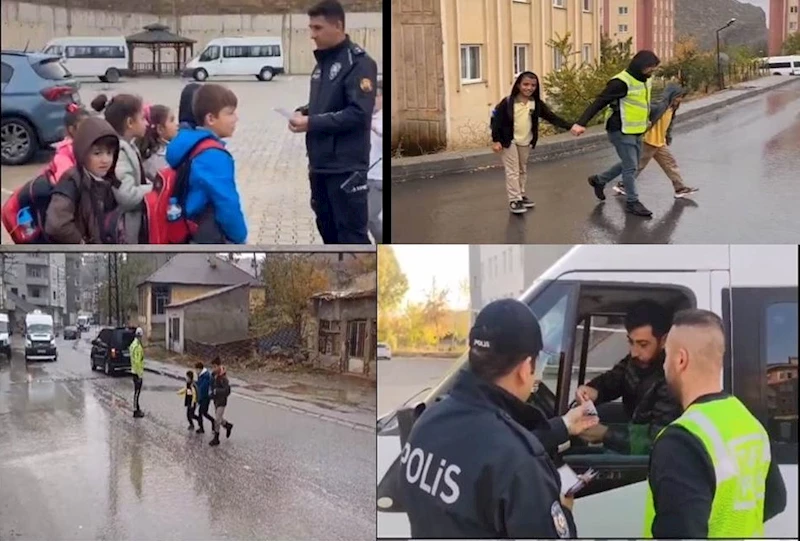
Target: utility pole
113 290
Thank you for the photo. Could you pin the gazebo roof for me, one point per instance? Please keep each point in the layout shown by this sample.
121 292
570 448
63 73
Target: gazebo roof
157 34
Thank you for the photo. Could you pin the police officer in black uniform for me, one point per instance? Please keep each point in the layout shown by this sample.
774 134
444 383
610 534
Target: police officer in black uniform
337 123
470 468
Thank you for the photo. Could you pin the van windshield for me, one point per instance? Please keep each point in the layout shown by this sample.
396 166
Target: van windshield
39 328
3 326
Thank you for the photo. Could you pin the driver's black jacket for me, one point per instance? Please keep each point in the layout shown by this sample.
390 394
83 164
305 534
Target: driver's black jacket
646 399
471 469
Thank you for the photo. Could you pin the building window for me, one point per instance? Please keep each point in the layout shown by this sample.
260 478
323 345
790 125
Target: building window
558 3
622 28
782 384
586 52
520 59
356 336
623 10
328 333
160 299
558 60
792 9
792 25
33 271
470 63
175 329
587 6
34 292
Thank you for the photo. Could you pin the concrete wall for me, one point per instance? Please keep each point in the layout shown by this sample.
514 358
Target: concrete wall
223 318
35 25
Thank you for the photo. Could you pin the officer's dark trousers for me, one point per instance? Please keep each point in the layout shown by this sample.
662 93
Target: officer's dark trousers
341 214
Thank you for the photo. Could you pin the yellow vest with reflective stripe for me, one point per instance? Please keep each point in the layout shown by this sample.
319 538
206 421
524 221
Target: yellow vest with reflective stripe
740 452
634 108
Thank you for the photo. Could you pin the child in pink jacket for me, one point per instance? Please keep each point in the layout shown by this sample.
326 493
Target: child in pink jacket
64 158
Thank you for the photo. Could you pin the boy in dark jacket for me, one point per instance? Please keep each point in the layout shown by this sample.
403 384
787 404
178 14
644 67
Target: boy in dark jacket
212 200
83 194
220 390
204 378
658 139
189 393
515 131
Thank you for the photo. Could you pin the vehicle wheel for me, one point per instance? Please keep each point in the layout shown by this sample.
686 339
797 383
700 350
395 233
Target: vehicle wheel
103 79
18 141
107 369
200 75
112 75
266 74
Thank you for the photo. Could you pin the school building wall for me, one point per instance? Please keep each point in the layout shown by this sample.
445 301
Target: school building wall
24 23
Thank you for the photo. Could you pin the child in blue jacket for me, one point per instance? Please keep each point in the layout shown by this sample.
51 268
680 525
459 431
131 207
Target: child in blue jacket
212 199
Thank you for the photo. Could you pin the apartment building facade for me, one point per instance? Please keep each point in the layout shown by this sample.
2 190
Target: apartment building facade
784 20
453 60
506 270
651 24
38 279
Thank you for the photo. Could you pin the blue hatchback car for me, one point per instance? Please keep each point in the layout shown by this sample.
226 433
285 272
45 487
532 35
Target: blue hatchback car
36 89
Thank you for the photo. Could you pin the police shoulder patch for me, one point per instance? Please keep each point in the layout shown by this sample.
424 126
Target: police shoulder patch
559 520
366 85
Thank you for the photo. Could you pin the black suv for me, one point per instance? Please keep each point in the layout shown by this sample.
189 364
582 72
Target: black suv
110 349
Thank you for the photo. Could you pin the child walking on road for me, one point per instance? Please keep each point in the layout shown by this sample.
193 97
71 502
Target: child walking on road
658 139
203 396
220 391
515 132
189 393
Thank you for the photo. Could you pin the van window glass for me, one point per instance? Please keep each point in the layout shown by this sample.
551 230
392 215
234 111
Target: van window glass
3 326
37 328
211 53
779 65
6 73
54 49
550 308
608 344
781 352
108 52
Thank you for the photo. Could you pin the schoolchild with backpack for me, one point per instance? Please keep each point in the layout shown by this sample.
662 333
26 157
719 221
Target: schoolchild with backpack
64 157
77 206
162 127
126 114
204 192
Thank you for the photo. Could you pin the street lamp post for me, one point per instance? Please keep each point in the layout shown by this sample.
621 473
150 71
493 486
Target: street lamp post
720 78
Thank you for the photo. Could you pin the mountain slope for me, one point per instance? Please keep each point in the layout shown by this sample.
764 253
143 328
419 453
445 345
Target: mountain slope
701 18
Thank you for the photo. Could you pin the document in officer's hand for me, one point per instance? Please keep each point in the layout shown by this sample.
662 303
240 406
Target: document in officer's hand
283 112
571 482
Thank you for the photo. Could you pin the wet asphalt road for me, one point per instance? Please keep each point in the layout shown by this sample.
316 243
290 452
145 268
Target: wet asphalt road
74 464
745 160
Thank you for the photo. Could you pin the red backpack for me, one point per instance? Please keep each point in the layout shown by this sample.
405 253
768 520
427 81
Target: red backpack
174 183
35 196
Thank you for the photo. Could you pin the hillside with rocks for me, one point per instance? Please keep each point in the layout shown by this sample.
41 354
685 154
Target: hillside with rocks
701 18
207 7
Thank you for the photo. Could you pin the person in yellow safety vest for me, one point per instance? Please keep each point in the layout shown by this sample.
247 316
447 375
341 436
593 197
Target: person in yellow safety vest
137 369
711 472
627 95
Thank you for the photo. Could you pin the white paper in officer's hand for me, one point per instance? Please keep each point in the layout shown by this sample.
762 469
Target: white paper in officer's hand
568 478
284 113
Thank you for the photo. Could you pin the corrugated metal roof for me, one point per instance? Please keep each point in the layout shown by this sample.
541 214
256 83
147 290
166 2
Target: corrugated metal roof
200 269
206 296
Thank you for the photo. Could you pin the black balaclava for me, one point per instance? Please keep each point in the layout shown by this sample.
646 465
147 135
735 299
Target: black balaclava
641 61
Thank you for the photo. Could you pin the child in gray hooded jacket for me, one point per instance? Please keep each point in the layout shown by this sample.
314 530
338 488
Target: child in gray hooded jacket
655 144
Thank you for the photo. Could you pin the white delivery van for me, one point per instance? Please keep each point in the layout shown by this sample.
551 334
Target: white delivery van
753 289
40 338
783 65
222 57
101 57
5 335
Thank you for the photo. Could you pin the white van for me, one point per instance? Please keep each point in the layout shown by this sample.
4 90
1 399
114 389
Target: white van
101 57
754 290
262 57
783 65
5 335
40 337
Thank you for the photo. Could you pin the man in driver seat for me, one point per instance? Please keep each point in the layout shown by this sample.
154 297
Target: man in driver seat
639 379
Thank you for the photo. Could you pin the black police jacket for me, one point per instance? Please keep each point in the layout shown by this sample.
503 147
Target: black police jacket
470 470
340 109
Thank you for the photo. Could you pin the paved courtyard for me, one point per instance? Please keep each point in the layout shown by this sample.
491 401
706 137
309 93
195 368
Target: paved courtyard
271 164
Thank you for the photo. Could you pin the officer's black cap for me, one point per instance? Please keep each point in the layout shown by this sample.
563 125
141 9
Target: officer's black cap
507 328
